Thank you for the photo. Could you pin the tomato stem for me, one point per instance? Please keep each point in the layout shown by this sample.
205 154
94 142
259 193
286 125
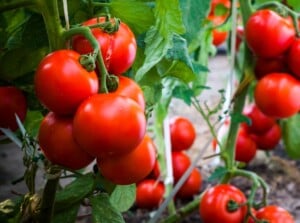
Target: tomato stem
16 4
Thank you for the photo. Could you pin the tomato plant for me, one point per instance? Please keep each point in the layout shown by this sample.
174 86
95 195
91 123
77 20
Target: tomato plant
219 36
293 57
180 163
191 186
274 214
265 66
245 149
13 102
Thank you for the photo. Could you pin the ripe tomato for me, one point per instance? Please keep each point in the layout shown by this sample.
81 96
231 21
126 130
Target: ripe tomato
274 214
265 66
276 95
269 139
57 143
215 201
294 57
149 194
132 167
109 125
191 186
268 34
245 148
129 88
118 49
239 36
61 83
260 123
215 3
180 163
12 101
219 36
155 172
182 133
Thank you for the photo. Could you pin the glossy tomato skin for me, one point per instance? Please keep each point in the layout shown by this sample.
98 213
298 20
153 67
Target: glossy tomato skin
268 34
12 101
276 95
274 214
109 125
191 186
132 167
213 205
245 149
118 49
260 123
149 194
182 133
57 143
180 163
294 58
61 83
129 88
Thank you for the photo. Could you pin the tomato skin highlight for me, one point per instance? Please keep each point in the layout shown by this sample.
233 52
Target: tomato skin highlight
109 125
274 214
213 205
191 186
118 49
268 34
12 101
61 83
57 143
277 95
132 167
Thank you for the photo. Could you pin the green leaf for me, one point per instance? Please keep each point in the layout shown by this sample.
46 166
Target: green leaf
217 174
291 136
123 197
183 92
32 122
295 4
103 211
136 14
74 192
68 215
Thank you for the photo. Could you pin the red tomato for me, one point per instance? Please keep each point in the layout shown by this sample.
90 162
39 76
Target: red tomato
274 214
215 3
132 167
277 95
12 102
149 194
109 125
268 34
61 83
239 36
269 139
294 58
155 172
182 133
118 49
219 36
265 66
260 123
191 186
57 143
245 148
215 201
129 88
180 163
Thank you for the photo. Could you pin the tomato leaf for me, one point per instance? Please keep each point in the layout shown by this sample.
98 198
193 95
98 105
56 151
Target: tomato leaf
217 174
291 136
68 215
103 211
74 192
32 122
123 197
295 4
183 92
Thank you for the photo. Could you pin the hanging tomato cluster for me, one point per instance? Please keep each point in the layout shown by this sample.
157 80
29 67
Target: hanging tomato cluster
83 123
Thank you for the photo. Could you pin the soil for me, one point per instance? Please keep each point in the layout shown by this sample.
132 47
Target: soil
281 173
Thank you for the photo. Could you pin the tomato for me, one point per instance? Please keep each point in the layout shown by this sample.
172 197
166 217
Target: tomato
132 167
268 34
265 66
191 186
215 201
239 36
245 148
109 125
182 133
118 49
260 123
149 194
61 83
293 58
219 36
155 172
129 88
274 214
180 163
216 3
268 140
277 94
12 102
57 143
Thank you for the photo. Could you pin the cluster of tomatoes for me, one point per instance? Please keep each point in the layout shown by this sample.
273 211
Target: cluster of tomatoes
150 191
84 124
227 203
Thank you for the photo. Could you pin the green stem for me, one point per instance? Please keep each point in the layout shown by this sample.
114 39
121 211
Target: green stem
16 4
